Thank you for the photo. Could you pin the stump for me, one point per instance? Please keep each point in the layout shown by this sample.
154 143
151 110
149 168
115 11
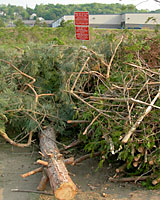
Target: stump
61 183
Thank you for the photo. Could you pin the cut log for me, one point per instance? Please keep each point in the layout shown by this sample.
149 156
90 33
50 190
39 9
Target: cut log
61 183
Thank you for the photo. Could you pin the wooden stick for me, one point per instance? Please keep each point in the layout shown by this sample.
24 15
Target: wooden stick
111 60
129 179
123 100
31 191
42 162
156 181
73 144
140 119
121 168
76 121
40 169
75 82
5 136
143 68
67 161
84 133
78 160
43 182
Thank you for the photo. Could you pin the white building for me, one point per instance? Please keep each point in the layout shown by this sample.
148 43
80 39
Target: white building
140 20
33 16
127 20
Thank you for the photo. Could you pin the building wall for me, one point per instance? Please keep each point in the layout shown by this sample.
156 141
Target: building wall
104 19
99 21
109 26
141 18
128 20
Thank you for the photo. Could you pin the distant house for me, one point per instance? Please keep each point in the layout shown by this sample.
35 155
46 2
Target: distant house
2 13
116 21
33 16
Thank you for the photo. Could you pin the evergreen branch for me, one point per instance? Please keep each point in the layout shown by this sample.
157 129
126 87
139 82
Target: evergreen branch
22 73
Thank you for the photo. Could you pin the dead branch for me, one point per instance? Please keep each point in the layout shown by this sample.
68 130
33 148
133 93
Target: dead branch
156 181
67 161
85 157
76 121
121 168
40 169
75 82
143 68
43 182
5 136
140 119
73 144
111 60
84 133
129 179
42 162
32 191
124 100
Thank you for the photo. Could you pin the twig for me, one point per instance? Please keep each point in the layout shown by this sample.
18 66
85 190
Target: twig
42 162
102 61
73 144
43 182
156 181
75 82
84 133
40 169
77 121
85 157
143 68
32 191
124 100
140 119
5 136
111 60
99 111
129 179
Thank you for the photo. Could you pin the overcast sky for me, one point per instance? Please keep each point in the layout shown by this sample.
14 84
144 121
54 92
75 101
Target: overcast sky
141 4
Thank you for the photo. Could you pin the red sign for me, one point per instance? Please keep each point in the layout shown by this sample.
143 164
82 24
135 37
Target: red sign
82 33
81 18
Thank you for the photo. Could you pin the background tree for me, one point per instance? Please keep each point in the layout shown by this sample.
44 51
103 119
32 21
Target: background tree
18 22
2 24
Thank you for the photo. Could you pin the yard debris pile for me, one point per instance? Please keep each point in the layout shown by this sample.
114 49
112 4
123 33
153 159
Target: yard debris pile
107 97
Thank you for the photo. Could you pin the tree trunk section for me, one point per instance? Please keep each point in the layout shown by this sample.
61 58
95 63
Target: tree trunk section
61 183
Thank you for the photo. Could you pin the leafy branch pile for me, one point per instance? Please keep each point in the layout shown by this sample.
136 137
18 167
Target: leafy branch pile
112 92
119 102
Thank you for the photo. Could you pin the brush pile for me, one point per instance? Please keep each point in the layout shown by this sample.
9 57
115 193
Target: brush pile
112 93
119 99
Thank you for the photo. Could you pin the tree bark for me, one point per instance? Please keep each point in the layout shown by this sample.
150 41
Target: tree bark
61 183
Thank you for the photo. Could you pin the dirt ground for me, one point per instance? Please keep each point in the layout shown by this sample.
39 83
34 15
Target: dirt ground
92 184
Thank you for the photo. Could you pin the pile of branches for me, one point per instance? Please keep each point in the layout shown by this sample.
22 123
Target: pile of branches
117 104
111 92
